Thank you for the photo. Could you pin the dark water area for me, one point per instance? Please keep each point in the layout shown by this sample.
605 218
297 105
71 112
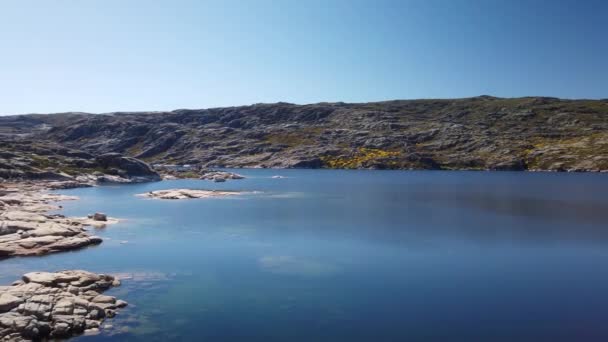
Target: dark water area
325 255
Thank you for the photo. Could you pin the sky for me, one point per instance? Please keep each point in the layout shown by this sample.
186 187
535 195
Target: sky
131 55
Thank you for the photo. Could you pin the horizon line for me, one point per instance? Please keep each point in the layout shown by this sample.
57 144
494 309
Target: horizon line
312 104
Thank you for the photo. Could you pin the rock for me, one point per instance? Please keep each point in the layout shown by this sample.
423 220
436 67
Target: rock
91 331
187 194
67 185
100 217
91 293
44 278
94 240
9 302
134 169
61 330
91 323
63 307
44 306
218 176
121 303
80 312
103 299
96 314
73 289
112 179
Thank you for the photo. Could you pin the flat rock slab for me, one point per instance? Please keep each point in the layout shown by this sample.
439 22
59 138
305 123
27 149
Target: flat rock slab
47 305
172 194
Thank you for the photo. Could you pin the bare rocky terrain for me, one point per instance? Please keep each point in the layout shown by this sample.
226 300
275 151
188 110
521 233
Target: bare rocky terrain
59 305
47 305
27 228
481 133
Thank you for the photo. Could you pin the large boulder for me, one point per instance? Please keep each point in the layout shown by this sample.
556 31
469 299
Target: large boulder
132 168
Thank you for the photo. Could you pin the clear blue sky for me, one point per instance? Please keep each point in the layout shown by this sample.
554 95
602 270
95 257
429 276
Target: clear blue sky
101 56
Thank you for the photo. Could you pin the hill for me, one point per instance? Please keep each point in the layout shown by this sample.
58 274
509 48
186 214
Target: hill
531 133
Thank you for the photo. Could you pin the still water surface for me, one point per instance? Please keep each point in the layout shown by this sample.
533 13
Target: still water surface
353 255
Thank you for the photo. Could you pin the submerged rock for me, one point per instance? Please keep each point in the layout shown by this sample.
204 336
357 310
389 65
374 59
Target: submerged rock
55 305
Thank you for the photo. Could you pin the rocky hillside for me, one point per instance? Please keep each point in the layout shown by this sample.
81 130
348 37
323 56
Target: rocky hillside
484 132
22 158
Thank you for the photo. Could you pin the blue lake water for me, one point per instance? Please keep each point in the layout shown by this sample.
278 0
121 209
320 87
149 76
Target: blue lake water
327 255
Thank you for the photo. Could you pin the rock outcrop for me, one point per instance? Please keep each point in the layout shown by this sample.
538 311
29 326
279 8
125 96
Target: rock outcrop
127 167
218 176
26 228
172 194
25 159
195 172
59 305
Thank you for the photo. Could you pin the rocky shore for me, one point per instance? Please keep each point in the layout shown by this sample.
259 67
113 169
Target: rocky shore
59 305
26 227
56 305
173 194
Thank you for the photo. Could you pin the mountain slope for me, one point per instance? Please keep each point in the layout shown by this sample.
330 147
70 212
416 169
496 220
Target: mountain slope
484 132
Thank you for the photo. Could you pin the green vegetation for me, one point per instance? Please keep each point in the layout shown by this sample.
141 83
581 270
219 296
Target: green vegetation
135 149
360 158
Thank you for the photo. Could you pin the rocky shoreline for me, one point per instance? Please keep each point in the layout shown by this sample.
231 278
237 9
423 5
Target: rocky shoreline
60 305
26 227
50 305
56 305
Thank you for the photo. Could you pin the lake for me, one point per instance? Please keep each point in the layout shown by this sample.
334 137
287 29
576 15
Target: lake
325 255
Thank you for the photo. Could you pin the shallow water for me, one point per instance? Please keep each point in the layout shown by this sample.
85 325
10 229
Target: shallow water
353 255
